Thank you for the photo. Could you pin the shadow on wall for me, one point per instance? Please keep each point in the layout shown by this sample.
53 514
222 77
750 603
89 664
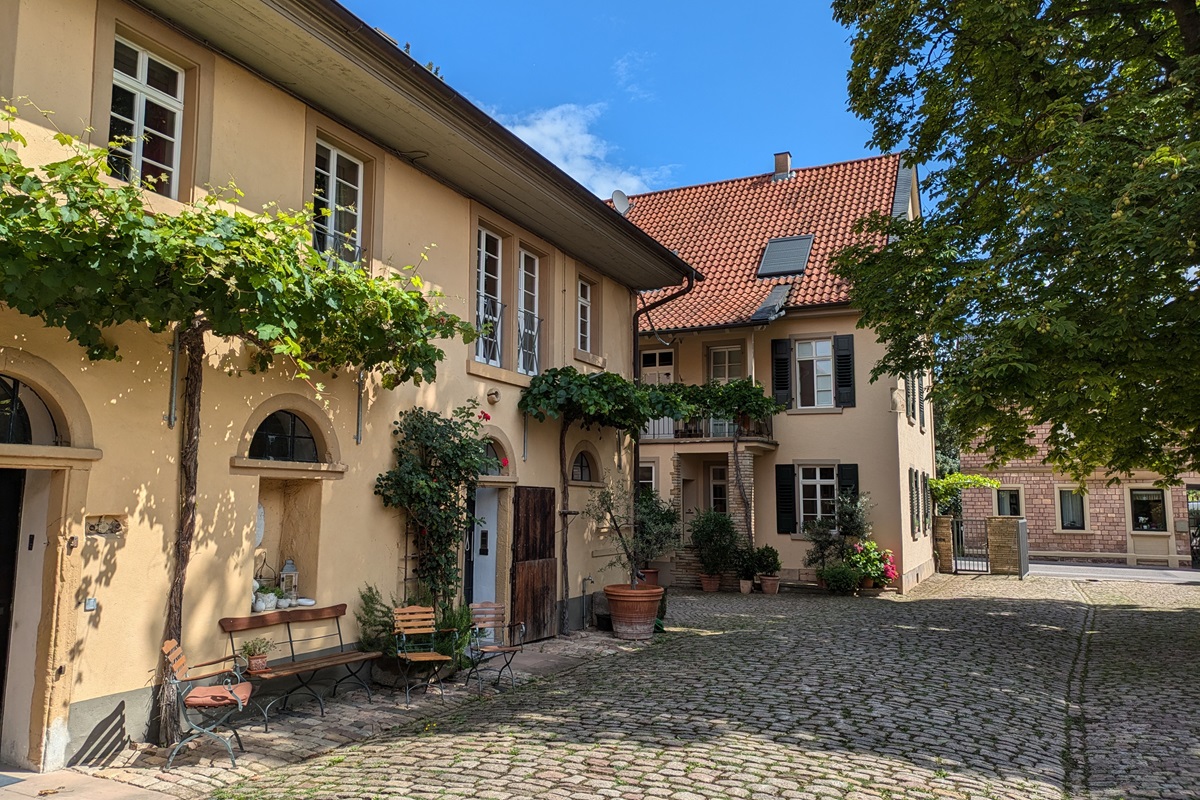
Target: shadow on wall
105 741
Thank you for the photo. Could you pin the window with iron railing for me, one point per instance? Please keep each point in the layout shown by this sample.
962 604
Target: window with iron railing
529 328
489 311
489 318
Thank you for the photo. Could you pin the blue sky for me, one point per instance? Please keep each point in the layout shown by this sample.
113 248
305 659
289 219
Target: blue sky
647 95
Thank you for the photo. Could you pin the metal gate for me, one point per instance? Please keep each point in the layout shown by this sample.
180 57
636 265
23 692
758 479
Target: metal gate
970 545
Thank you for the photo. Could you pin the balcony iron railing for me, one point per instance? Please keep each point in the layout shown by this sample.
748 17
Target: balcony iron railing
489 316
707 428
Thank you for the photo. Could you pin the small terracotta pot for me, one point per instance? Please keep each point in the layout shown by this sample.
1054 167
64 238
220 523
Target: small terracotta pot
710 583
868 583
770 583
257 663
745 587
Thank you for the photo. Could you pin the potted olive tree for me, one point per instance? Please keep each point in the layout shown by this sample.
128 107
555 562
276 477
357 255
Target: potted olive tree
716 543
645 527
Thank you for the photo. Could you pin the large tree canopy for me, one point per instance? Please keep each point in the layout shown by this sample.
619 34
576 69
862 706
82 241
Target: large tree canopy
1056 281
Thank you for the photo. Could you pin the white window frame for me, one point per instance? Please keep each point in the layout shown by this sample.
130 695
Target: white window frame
816 360
714 482
527 303
583 335
482 296
1020 490
724 427
328 225
653 467
143 91
1058 518
817 481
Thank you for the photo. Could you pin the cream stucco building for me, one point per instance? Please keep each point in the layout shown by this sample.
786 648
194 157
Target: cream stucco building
288 99
771 309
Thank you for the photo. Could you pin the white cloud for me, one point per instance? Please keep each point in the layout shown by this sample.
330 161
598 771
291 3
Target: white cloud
627 68
563 135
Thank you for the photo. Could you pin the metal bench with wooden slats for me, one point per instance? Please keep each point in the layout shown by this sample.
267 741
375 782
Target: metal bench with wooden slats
302 666
493 638
212 705
416 644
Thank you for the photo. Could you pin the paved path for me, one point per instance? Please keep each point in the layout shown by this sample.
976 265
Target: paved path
1113 572
969 688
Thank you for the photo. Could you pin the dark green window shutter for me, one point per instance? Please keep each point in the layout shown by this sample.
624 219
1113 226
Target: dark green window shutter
847 475
843 370
781 371
921 397
785 498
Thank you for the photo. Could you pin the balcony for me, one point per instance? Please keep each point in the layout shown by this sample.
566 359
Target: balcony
489 318
757 436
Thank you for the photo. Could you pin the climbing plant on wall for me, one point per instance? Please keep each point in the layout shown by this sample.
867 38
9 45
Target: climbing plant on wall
439 460
85 254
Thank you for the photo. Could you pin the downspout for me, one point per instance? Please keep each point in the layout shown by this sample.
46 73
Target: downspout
689 284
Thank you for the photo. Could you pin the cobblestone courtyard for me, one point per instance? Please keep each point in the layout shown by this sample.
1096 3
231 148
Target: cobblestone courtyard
967 688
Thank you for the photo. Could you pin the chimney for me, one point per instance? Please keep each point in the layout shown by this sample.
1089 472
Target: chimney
783 166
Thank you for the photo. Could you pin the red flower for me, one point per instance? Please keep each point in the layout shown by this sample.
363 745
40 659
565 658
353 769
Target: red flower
504 462
486 417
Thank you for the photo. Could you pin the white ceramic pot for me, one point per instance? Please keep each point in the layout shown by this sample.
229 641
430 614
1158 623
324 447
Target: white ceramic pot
284 603
269 600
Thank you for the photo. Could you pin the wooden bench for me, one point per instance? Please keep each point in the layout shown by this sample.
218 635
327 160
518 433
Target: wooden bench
302 666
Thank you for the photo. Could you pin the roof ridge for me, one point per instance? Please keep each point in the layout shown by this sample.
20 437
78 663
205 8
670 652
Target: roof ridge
844 162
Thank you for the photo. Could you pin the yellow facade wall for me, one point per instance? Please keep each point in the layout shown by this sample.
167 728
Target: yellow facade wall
249 132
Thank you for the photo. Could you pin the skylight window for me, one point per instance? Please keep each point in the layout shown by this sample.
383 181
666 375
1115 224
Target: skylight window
785 256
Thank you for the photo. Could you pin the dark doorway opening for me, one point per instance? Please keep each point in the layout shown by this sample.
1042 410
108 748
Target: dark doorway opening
12 489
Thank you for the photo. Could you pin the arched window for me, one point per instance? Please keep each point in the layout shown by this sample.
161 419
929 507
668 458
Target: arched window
24 417
283 436
489 450
581 470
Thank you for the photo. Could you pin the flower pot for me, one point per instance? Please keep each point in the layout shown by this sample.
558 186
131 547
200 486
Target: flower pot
650 577
258 663
770 583
633 610
868 583
745 587
710 583
269 600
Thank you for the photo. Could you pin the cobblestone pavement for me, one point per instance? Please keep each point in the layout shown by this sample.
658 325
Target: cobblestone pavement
981 688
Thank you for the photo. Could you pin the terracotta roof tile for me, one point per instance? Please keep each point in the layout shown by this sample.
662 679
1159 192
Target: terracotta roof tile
722 228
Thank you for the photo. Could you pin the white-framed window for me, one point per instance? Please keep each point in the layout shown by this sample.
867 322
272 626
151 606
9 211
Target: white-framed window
1148 509
718 489
646 476
724 365
584 340
146 117
528 323
337 202
818 493
489 311
814 374
1008 501
1071 506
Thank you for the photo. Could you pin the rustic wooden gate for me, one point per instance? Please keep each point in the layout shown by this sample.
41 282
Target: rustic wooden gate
535 568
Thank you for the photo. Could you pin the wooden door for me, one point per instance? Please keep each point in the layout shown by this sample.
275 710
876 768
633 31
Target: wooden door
535 568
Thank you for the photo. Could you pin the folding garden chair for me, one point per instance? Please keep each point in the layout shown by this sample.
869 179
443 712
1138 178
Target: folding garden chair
492 639
416 644
203 709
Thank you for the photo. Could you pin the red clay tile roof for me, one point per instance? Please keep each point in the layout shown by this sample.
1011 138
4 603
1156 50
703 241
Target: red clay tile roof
721 229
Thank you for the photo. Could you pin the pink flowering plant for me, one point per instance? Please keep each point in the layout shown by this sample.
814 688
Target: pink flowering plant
872 562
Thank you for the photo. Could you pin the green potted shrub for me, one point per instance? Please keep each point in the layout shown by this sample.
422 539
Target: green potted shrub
645 526
747 566
840 578
255 652
716 543
767 565
824 544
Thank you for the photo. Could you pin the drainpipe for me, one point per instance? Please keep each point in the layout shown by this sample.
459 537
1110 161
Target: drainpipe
690 283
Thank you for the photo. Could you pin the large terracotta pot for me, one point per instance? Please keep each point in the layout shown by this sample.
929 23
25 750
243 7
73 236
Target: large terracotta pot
770 583
633 610
710 583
